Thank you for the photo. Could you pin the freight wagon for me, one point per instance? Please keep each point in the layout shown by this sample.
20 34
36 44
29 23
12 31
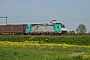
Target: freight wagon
34 29
13 29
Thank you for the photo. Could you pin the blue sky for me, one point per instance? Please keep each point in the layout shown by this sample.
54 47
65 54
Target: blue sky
69 12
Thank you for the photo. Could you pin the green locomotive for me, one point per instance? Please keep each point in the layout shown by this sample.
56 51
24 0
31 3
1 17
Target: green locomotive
53 28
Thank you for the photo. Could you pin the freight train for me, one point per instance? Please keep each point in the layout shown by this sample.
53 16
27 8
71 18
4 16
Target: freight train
54 28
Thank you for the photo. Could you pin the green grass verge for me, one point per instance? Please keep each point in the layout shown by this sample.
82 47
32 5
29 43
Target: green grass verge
30 54
24 54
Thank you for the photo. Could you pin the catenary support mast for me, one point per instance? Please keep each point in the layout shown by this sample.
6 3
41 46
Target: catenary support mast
6 19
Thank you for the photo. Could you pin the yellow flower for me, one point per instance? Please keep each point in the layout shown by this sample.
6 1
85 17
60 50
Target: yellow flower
86 56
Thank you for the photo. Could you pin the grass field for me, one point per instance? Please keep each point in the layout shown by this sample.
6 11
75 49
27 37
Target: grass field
33 50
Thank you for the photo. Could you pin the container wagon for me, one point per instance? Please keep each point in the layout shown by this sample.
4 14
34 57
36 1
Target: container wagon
12 29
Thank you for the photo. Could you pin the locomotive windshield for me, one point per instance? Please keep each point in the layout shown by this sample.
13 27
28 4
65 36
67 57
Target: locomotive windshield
62 25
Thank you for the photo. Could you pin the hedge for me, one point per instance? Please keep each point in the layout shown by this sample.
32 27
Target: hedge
77 40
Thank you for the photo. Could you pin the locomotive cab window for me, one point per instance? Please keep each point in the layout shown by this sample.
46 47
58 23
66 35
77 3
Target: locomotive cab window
63 26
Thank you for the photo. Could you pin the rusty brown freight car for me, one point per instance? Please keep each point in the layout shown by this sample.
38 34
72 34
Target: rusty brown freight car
13 29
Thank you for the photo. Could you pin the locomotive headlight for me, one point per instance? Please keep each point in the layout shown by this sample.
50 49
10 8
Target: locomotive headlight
64 29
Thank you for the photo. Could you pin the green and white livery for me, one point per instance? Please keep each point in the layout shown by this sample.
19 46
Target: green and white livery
52 28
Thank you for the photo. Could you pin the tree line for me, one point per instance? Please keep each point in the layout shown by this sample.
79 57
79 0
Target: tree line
81 29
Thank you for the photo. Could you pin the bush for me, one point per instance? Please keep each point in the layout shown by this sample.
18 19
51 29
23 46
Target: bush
77 40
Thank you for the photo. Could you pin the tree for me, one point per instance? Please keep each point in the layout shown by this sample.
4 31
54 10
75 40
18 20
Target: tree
89 33
71 32
81 29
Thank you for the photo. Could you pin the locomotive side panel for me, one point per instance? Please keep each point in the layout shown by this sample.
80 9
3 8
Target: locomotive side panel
42 28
